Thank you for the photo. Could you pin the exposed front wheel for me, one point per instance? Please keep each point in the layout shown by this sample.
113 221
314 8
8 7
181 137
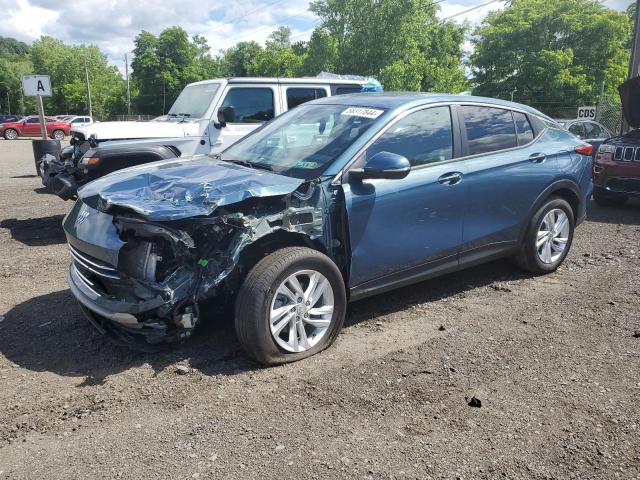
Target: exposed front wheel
58 135
10 134
291 306
548 237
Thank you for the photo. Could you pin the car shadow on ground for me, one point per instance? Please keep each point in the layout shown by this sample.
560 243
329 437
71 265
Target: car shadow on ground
49 332
36 232
25 176
627 214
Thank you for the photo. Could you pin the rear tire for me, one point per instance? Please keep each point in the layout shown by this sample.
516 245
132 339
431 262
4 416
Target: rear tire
544 249
260 298
10 134
609 200
58 135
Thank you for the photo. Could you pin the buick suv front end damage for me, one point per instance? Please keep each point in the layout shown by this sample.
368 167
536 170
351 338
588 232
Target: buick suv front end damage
146 257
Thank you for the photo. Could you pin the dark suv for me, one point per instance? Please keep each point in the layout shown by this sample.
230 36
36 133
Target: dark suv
616 171
335 200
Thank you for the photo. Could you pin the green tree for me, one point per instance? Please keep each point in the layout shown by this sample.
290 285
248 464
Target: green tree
163 65
278 58
238 60
553 54
402 41
14 63
321 53
65 65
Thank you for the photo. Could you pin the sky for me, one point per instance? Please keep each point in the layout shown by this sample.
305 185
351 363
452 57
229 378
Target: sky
113 24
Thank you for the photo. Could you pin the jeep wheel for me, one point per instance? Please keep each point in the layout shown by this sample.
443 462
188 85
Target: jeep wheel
548 238
291 306
608 200
58 135
10 134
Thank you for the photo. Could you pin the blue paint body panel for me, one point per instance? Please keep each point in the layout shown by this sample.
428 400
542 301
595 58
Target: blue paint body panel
397 229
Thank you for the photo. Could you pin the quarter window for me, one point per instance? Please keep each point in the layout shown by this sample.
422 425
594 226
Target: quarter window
577 129
523 128
593 130
348 89
488 129
422 137
298 96
251 105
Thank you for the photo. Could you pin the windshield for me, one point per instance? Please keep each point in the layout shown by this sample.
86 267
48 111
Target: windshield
194 100
305 141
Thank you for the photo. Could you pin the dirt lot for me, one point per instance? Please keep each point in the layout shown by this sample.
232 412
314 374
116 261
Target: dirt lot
555 361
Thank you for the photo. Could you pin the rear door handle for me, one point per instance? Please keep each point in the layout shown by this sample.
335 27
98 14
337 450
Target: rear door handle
451 178
537 157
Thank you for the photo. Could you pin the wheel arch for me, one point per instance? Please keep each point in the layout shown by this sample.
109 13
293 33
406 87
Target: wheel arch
565 189
272 242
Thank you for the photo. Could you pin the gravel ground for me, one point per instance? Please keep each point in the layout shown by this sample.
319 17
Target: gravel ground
554 360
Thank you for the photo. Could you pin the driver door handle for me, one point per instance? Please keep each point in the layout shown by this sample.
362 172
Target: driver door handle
451 178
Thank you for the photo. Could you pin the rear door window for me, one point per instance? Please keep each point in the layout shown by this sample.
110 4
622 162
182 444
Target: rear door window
422 137
299 95
523 128
488 129
251 105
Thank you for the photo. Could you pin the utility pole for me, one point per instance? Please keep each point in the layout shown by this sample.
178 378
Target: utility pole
634 62
8 103
126 74
86 77
164 96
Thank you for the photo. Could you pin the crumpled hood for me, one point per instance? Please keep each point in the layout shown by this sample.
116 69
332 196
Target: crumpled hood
630 97
131 130
188 187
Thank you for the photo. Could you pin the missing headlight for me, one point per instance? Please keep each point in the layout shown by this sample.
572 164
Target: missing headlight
140 260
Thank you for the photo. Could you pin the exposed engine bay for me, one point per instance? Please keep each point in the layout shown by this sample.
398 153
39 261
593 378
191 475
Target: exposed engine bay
139 278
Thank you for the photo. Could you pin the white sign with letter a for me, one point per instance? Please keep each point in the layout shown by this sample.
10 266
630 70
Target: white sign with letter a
34 85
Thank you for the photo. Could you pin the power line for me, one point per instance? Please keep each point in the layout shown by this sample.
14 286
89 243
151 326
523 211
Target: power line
470 10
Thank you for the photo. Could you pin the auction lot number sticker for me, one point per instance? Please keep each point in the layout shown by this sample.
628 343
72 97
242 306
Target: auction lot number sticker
362 112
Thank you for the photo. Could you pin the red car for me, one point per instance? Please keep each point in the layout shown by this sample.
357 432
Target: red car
616 170
30 127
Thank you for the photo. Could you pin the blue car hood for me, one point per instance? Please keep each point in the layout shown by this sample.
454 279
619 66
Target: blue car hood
188 187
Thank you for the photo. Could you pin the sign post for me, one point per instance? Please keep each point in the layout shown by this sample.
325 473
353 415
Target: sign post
38 86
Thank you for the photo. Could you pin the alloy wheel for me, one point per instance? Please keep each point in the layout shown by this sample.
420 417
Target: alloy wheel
553 236
301 311
58 135
10 134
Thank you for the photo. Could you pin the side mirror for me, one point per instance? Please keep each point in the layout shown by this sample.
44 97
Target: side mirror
383 165
225 115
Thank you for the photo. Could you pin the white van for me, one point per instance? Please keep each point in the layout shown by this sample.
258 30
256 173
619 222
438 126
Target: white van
193 124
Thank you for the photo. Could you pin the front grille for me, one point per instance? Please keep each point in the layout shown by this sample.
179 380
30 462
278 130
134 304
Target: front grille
627 154
624 185
87 263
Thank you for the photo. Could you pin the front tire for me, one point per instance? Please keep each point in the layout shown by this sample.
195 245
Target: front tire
10 134
548 237
291 306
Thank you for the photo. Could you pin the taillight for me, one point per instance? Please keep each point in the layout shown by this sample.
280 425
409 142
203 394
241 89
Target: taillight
585 149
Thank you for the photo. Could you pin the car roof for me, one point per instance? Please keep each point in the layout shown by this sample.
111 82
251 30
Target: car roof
275 80
400 100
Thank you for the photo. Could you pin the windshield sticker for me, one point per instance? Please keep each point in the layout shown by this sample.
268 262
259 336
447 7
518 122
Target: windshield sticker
362 112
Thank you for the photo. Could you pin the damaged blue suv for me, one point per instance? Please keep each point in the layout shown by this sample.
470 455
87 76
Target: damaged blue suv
338 199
